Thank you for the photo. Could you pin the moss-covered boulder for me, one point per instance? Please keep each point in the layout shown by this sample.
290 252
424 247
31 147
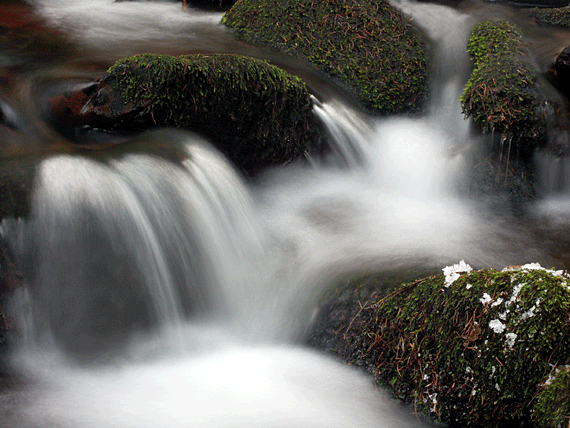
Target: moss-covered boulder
552 408
369 46
503 93
555 16
472 348
254 112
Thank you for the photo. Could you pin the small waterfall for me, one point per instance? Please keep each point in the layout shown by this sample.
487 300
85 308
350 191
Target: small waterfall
135 241
348 130
554 174
155 266
166 291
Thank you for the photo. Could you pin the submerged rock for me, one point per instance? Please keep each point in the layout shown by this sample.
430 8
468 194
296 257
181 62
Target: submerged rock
471 348
10 280
369 46
556 16
255 113
195 3
538 3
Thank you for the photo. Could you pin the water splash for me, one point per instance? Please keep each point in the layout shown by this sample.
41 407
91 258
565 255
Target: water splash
105 233
136 241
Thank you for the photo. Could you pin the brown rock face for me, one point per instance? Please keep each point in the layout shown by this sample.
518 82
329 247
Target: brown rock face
562 67
96 105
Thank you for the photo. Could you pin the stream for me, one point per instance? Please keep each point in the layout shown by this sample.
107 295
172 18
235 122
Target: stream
177 294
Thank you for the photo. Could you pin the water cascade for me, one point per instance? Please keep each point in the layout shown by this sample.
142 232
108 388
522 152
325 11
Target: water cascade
167 291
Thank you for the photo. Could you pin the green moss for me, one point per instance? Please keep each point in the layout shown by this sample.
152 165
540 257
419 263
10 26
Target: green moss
502 93
367 45
473 353
259 113
559 17
552 408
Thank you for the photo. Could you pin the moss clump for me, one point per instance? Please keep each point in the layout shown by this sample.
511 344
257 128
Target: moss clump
559 17
502 94
468 347
256 113
552 408
367 45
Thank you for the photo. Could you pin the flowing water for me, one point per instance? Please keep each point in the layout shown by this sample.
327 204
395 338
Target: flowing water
165 290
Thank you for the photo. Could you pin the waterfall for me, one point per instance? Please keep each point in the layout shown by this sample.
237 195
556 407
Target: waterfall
148 279
165 290
136 241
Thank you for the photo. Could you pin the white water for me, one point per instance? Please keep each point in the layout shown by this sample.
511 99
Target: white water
194 287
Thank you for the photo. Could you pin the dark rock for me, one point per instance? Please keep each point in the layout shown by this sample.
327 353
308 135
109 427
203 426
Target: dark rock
207 4
555 16
369 46
10 280
470 348
255 113
505 95
538 3
16 182
96 105
562 69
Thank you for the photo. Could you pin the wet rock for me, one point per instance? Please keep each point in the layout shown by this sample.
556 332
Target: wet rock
10 280
538 3
208 4
555 16
94 105
369 46
255 113
505 94
562 69
211 3
470 348
16 183
552 408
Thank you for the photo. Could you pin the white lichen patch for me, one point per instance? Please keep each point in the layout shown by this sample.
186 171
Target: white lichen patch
497 326
530 313
511 339
516 290
452 273
533 266
486 299
503 315
497 302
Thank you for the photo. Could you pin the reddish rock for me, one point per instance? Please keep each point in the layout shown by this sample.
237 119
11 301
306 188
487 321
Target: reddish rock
562 67
96 105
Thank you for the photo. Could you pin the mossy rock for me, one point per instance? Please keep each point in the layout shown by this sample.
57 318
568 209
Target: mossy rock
554 16
471 348
552 408
369 46
503 93
254 112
